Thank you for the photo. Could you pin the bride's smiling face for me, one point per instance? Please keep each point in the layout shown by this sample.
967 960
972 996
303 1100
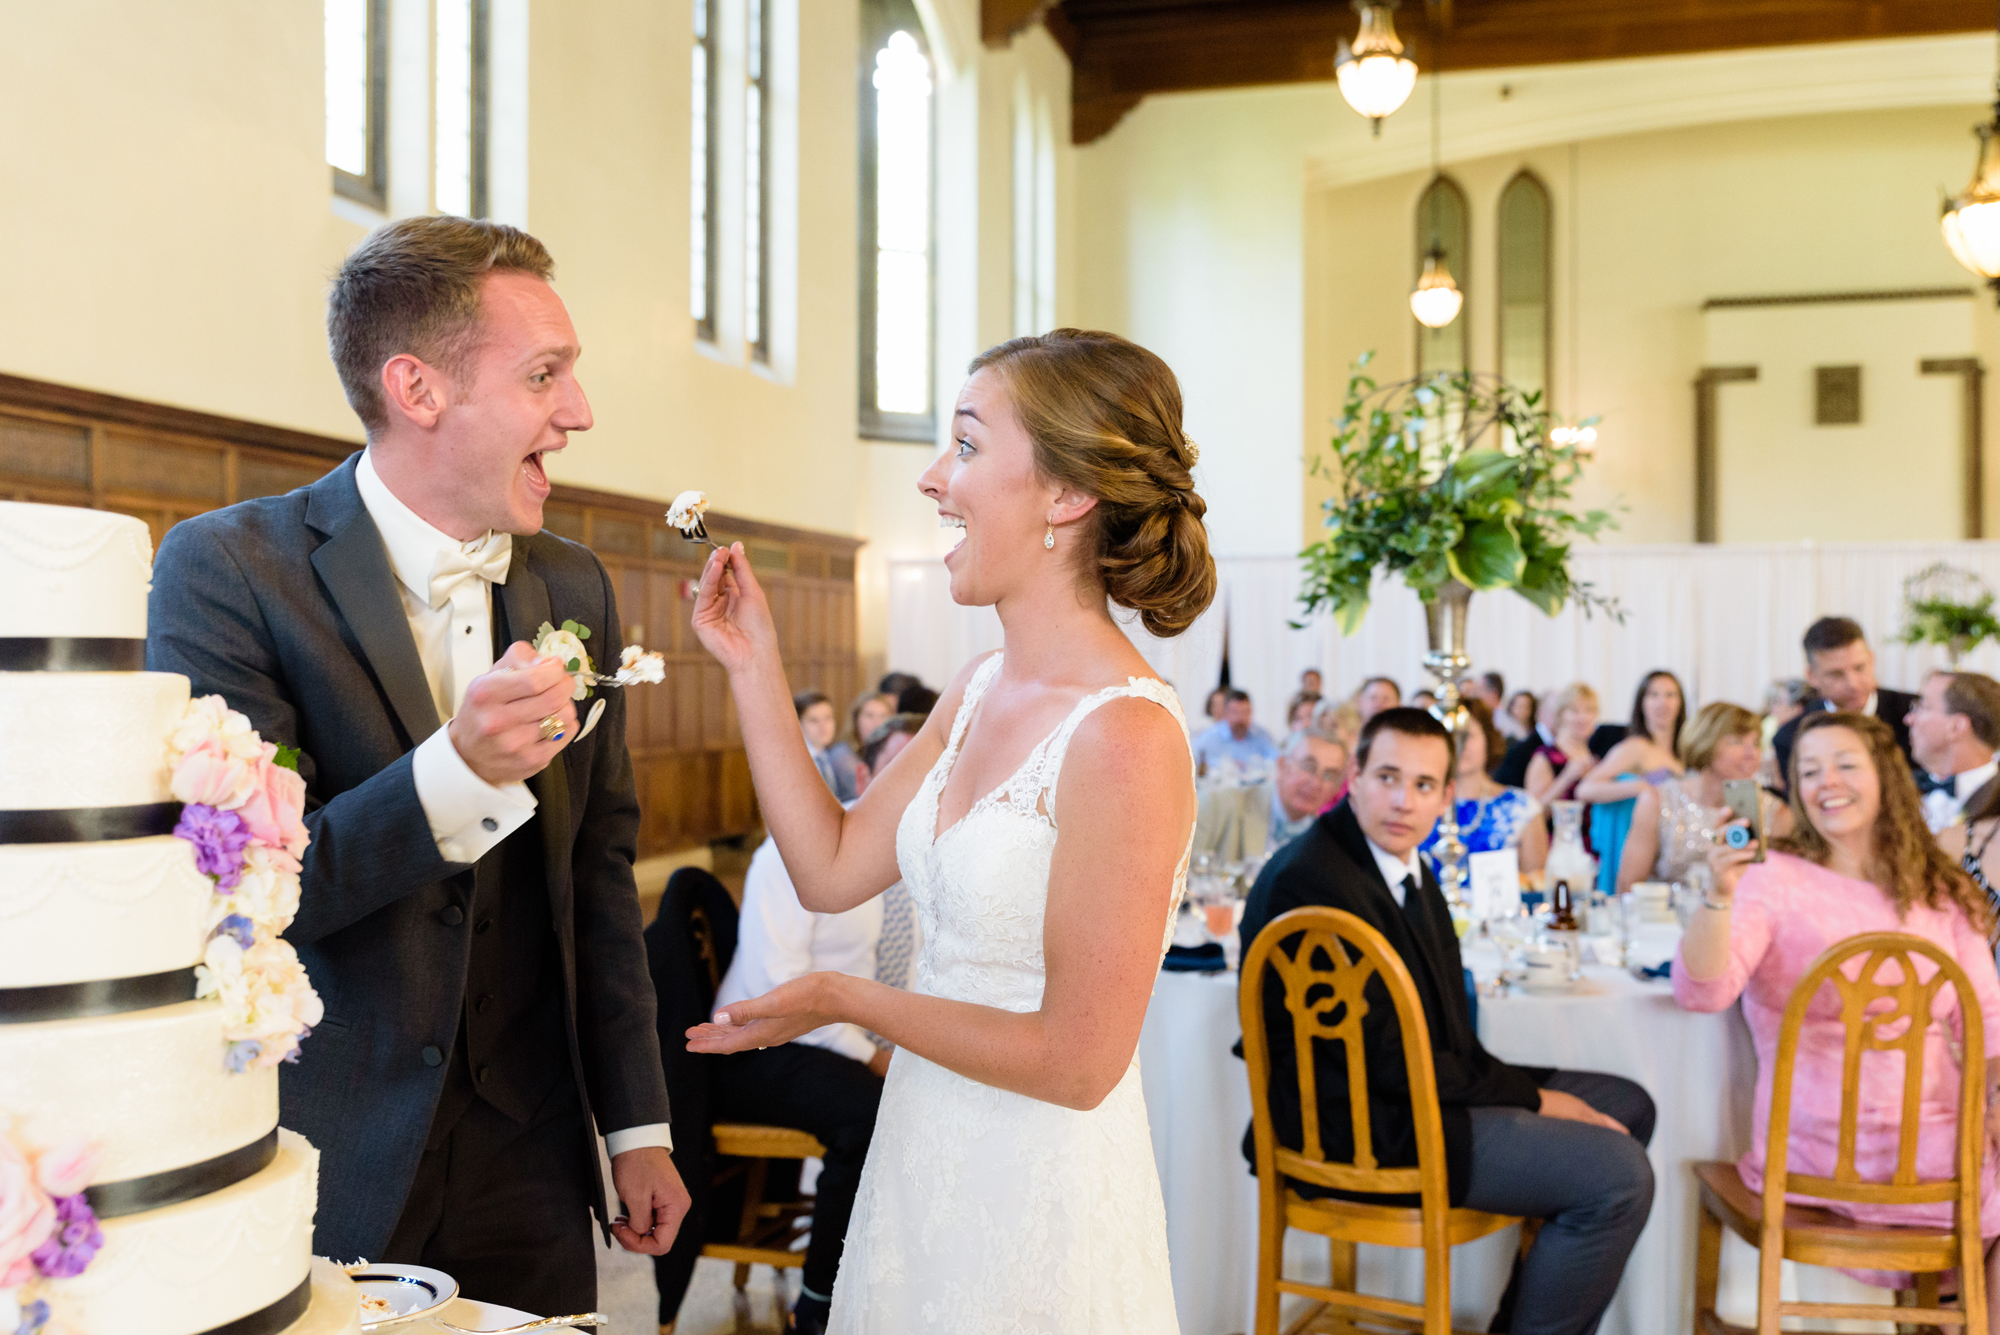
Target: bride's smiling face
986 486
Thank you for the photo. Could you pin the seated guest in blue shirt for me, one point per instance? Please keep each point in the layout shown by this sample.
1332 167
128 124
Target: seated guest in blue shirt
1250 822
1234 750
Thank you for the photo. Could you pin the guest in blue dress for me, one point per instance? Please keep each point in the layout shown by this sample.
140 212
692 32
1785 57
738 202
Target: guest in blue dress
1645 758
1492 816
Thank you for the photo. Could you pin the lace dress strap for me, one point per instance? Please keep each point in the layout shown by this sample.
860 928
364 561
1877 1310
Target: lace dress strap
975 690
1039 776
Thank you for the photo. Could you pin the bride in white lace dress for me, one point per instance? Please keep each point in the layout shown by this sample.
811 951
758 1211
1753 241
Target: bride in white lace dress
1042 821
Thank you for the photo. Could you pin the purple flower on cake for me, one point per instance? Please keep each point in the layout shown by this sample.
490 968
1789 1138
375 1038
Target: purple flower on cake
238 929
32 1318
219 838
243 1054
74 1241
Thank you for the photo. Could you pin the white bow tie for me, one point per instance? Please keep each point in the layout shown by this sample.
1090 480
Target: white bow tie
455 567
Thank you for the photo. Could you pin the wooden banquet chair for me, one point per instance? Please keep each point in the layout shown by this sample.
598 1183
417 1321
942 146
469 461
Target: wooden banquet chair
690 944
1336 958
1812 1236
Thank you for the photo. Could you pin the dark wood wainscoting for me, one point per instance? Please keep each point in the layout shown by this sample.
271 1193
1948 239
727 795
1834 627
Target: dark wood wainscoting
66 446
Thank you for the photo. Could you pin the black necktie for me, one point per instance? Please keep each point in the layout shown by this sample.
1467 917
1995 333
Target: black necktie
1412 907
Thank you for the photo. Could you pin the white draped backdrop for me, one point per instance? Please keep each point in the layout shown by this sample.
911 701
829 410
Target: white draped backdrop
1726 619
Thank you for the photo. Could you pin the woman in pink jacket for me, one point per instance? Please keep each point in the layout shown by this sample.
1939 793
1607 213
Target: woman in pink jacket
1860 859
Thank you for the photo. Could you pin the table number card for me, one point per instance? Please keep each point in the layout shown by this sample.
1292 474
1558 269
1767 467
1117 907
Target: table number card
1495 883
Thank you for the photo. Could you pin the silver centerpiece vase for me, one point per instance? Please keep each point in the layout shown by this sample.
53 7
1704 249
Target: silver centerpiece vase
1444 617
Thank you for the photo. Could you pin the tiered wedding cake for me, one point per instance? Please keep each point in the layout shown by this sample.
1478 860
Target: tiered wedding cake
132 1114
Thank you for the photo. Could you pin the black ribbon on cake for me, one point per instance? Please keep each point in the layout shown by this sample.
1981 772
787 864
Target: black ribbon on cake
270 1320
158 1190
71 653
85 825
100 996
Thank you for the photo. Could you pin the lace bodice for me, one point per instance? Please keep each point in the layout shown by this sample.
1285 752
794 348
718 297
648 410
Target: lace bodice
981 887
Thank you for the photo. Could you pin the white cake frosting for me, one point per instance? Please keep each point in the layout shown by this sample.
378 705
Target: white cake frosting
336 1304
151 1087
70 913
86 739
203 1263
65 571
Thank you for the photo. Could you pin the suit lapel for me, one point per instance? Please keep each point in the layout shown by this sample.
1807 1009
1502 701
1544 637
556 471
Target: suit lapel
1347 831
524 598
354 565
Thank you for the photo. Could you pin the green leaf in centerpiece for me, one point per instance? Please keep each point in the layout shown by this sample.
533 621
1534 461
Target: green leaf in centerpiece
1489 556
287 758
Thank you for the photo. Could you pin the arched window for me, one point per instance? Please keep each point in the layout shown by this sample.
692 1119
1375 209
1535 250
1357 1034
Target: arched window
1443 223
897 213
1524 269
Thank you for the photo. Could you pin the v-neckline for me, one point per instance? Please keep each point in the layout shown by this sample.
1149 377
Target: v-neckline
951 764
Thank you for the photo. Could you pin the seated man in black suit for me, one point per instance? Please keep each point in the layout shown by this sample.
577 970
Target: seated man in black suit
1566 1147
1841 668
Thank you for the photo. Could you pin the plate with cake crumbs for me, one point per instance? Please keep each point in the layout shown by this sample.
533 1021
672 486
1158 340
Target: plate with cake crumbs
393 1294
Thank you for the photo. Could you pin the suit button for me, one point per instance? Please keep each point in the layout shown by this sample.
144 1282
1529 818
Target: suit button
484 1003
489 824
482 924
452 915
481 1076
432 1057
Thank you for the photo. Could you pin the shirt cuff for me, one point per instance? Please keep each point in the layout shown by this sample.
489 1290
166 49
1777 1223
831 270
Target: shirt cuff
467 815
653 1134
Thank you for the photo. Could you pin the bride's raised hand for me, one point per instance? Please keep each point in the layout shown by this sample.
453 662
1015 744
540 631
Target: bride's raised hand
779 1016
732 618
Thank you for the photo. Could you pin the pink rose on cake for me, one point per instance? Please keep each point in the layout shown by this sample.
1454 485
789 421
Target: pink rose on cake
27 1216
210 775
275 810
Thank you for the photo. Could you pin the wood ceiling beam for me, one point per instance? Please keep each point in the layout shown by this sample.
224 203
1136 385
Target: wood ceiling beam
1123 50
1001 20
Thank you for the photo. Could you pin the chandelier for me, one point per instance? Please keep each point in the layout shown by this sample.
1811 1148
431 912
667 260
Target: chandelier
1375 76
1436 300
1971 222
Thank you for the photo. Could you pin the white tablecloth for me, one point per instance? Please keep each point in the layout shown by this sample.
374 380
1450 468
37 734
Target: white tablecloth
1700 1070
473 1315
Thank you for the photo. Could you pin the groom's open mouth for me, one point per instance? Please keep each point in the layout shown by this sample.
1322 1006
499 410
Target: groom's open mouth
538 478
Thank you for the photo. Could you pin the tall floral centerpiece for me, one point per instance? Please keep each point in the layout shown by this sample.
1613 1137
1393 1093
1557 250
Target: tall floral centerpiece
1945 605
1458 482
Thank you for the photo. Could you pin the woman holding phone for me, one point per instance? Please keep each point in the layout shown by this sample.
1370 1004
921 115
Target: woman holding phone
1673 821
1861 860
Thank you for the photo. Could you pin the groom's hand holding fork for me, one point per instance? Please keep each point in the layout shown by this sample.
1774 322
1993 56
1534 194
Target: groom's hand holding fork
498 729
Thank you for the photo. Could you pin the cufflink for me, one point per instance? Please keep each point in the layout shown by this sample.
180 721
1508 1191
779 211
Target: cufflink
489 824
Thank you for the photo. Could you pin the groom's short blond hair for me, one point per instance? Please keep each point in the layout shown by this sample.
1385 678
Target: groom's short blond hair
413 287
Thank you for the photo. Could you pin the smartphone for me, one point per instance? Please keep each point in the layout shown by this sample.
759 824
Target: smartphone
1745 799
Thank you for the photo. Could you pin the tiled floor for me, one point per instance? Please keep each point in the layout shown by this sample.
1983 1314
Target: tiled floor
625 1293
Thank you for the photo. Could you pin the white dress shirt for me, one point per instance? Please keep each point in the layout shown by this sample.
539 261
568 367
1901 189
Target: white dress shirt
1943 806
779 939
468 816
1394 869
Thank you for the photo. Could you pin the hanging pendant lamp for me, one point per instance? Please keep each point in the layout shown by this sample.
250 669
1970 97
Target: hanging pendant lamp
1971 222
1436 300
1375 76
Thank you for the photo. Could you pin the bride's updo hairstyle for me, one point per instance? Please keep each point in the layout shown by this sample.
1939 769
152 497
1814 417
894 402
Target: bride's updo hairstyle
1104 415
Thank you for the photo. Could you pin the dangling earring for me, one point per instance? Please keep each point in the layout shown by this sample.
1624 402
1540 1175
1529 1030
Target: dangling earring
1049 538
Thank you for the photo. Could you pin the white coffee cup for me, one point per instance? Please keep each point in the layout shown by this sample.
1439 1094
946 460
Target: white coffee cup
1550 966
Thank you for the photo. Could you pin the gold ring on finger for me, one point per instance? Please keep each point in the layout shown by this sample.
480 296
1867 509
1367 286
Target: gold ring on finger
552 729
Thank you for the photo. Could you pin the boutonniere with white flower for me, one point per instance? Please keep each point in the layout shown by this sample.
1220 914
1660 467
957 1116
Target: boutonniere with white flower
565 644
636 665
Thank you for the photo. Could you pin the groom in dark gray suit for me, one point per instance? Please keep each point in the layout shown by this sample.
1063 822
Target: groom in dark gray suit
468 911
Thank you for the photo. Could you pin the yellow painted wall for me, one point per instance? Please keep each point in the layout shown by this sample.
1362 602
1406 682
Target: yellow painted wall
1261 238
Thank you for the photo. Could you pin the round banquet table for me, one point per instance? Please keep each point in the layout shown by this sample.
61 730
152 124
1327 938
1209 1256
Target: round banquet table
1700 1070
